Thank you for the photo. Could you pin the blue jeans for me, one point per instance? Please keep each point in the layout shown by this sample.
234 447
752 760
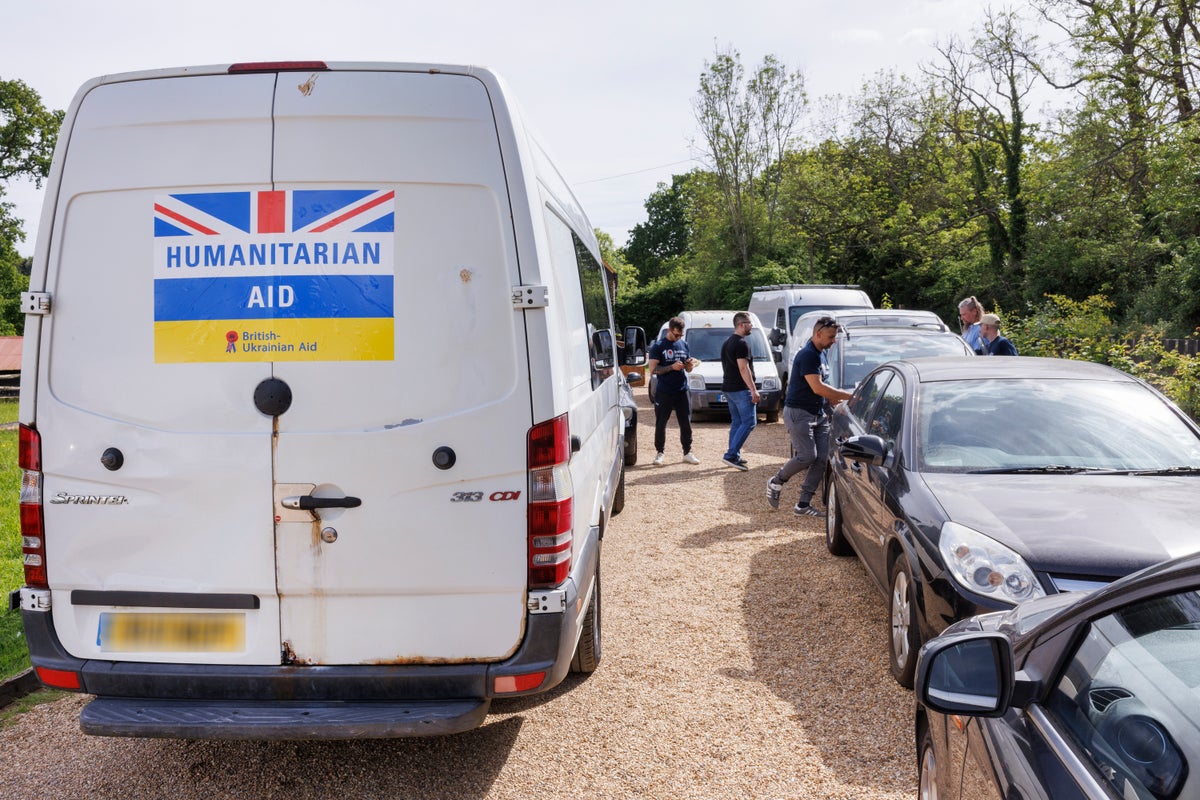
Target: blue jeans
743 416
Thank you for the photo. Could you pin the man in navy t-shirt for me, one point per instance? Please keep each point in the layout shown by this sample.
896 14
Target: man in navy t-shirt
993 343
669 360
805 419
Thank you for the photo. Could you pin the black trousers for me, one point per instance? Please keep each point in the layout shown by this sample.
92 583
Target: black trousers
664 404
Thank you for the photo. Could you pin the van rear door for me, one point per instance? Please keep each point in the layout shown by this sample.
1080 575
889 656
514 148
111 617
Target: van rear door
169 555
295 289
416 355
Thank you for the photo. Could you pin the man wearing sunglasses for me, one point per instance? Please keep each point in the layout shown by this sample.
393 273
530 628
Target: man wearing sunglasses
806 420
738 385
670 361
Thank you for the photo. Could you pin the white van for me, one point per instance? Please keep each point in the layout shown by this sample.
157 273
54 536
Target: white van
780 305
319 414
705 332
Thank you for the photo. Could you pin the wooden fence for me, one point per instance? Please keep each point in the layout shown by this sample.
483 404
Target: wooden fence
1189 347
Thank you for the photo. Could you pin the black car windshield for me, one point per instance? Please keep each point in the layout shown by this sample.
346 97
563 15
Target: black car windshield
1067 426
863 352
705 343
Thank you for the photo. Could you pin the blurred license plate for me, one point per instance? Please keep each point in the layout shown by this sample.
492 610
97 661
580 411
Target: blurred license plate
172 633
720 398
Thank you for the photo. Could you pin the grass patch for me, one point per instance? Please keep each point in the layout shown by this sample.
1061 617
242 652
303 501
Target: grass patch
23 704
14 656
8 410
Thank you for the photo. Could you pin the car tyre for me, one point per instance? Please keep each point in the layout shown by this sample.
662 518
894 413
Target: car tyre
903 640
773 415
618 504
835 540
631 446
927 774
587 652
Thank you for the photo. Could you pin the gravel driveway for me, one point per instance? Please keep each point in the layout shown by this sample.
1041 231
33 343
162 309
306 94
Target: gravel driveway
741 660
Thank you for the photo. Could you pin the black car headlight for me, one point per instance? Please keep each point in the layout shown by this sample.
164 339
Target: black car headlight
983 566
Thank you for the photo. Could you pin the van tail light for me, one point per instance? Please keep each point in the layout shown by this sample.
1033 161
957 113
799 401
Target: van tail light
33 530
551 503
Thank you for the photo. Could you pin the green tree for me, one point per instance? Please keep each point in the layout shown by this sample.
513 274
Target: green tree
747 127
28 132
988 82
666 232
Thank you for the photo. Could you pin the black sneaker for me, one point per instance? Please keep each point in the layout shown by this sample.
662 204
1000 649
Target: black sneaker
736 463
806 510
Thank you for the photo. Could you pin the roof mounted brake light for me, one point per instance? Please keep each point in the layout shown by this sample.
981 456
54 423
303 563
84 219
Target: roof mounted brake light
277 66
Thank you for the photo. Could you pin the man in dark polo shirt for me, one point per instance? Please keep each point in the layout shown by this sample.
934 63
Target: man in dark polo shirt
737 367
806 420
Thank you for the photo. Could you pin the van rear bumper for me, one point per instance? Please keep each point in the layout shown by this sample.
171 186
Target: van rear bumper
295 702
311 702
712 401
116 716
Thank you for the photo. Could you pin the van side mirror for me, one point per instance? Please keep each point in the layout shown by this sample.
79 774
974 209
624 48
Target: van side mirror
603 351
633 354
777 337
968 673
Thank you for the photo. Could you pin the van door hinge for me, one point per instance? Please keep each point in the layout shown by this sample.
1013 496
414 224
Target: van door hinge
37 303
551 601
530 296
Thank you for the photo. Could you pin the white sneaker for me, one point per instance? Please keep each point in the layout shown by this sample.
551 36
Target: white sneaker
658 460
691 459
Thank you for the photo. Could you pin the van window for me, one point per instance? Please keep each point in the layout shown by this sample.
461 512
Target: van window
568 248
796 312
705 343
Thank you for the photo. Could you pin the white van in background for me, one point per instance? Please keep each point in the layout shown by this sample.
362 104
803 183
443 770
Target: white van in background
780 305
319 415
705 332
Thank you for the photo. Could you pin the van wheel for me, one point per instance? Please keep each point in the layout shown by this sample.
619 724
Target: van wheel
619 496
587 652
631 446
773 416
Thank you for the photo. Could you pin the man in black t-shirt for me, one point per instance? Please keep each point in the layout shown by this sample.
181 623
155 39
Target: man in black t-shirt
805 419
738 386
670 360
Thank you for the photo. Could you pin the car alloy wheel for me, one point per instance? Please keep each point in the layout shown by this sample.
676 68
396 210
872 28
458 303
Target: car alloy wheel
835 538
927 769
902 639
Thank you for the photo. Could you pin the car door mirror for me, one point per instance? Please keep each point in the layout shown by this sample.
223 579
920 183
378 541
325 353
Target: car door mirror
777 337
968 673
867 448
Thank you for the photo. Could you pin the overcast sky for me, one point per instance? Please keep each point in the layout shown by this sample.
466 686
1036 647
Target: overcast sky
608 85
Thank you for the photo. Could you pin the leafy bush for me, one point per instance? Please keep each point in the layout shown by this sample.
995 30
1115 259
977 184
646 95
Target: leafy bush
1082 330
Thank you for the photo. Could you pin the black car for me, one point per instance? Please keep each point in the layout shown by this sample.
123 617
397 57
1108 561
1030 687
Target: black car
973 484
1085 695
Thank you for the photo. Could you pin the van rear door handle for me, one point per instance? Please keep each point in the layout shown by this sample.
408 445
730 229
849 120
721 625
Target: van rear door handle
307 502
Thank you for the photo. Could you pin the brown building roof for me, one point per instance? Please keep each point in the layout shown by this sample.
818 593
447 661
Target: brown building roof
10 353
